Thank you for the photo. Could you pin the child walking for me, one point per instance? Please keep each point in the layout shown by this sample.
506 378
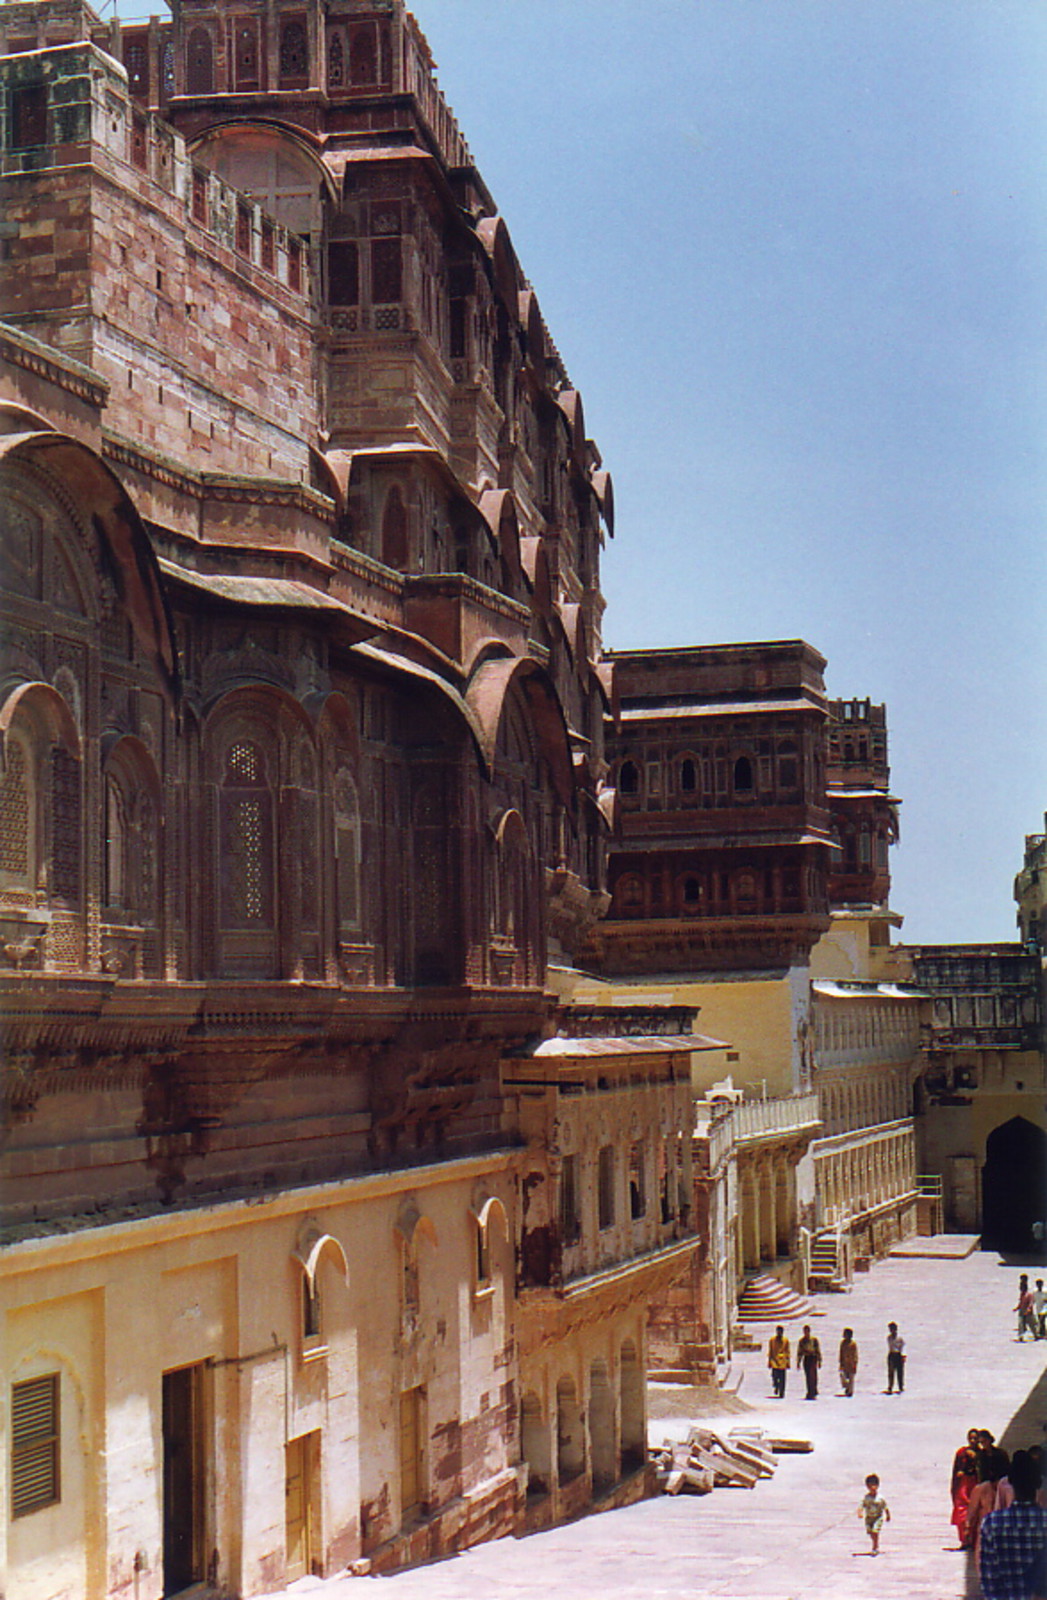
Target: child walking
875 1511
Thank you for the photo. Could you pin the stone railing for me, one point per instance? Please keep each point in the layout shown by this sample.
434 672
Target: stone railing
761 1119
753 1121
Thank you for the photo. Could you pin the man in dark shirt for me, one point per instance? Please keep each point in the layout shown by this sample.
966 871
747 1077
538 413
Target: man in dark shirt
1012 1563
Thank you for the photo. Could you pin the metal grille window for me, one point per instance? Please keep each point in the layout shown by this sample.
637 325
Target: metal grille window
15 819
136 60
386 271
246 840
34 1444
65 800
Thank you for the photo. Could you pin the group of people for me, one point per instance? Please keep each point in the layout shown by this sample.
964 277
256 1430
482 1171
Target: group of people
809 1358
1031 1309
999 1511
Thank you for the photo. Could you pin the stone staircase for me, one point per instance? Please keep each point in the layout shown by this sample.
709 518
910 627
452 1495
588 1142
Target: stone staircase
825 1273
764 1299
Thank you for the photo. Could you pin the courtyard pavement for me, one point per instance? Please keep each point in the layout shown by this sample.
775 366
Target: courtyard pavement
797 1536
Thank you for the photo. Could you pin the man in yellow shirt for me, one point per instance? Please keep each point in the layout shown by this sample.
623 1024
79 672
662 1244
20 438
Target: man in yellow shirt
778 1361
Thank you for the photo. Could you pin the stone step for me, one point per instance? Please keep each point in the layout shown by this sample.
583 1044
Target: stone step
764 1299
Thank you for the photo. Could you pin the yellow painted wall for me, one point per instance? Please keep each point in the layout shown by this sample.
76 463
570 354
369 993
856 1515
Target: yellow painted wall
59 1551
758 1018
112 1309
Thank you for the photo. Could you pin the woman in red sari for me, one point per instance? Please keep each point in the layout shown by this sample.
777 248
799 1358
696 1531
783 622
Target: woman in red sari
964 1481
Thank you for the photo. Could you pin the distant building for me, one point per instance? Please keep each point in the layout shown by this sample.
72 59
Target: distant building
982 1121
1030 892
750 878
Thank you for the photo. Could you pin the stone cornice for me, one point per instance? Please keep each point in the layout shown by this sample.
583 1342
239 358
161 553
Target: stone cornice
93 1243
213 486
20 349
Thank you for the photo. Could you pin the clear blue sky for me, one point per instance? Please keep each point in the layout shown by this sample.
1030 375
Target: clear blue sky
794 254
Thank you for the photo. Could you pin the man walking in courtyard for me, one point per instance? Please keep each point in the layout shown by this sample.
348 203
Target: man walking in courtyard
1012 1562
778 1356
895 1358
848 1361
809 1357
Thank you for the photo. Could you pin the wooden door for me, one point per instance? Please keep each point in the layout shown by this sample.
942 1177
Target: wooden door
297 1507
184 1463
410 1452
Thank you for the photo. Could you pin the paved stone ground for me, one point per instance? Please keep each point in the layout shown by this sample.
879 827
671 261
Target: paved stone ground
797 1535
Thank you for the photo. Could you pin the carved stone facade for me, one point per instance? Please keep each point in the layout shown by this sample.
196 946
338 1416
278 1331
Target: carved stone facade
303 779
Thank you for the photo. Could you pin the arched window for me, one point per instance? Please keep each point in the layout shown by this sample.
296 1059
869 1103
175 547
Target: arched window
601 1426
688 776
491 1211
633 1410
570 1432
394 531
199 63
246 839
312 1248
41 802
629 778
743 775
245 53
294 51
534 1444
410 1228
130 849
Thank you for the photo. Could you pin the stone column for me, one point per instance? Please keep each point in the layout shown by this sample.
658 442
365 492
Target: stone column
750 1190
768 1211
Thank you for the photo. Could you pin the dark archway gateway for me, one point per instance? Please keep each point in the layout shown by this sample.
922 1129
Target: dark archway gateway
1014 1185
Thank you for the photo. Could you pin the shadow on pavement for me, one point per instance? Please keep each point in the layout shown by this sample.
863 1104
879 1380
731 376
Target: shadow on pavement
971 1587
1029 1422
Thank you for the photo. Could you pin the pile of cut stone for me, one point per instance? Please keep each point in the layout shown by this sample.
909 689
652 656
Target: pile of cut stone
704 1461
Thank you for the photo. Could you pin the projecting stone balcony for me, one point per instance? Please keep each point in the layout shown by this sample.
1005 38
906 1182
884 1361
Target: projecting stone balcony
756 1123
